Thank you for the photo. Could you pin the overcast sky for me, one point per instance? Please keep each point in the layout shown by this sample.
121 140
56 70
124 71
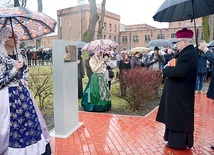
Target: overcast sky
130 11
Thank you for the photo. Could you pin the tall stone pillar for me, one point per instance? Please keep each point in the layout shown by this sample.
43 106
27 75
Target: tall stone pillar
65 88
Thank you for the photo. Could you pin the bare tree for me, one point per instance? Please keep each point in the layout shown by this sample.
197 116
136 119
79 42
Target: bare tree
206 28
40 7
24 3
100 29
211 25
89 35
20 3
41 85
16 3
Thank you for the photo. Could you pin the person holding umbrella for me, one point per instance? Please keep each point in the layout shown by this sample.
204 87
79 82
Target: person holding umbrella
96 96
176 108
23 130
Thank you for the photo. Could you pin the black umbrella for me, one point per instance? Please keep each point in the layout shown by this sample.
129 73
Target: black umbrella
180 10
173 40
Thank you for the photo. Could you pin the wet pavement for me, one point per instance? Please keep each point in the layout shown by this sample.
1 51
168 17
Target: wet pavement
109 134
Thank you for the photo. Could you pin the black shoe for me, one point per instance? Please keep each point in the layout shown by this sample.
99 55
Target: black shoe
212 147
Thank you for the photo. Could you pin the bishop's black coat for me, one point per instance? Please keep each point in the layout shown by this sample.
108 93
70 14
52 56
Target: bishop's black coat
176 108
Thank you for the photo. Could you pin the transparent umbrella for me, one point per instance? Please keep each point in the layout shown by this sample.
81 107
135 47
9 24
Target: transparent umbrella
160 42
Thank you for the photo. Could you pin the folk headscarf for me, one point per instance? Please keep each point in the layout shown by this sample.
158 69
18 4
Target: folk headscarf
5 33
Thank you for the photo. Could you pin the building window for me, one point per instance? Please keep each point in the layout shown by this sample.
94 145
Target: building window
135 38
109 37
173 35
104 25
160 36
109 27
187 24
115 38
104 36
125 38
115 28
147 38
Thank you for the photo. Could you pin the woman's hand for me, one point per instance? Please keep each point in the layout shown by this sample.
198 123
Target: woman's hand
18 64
24 82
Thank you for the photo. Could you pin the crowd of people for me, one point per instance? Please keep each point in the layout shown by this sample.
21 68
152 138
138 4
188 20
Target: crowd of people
34 57
183 71
182 79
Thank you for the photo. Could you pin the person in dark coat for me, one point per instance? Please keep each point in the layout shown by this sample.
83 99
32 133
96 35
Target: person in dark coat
29 57
155 60
210 57
176 109
124 66
87 66
81 73
168 56
135 60
202 71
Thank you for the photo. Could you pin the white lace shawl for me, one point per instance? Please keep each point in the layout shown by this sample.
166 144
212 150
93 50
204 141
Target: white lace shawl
5 33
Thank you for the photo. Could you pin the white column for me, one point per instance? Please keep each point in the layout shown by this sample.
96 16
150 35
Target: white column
65 91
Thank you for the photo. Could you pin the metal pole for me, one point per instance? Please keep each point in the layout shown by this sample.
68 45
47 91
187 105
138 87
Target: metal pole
193 10
13 35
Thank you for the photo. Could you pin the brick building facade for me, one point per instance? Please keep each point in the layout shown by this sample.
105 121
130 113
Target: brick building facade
74 21
140 35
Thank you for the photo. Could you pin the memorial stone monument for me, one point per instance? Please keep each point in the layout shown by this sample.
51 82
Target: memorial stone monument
65 88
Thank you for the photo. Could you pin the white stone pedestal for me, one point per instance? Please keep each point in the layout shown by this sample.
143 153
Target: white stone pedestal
65 91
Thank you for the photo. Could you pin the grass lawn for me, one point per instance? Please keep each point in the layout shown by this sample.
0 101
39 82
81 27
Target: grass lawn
119 105
43 71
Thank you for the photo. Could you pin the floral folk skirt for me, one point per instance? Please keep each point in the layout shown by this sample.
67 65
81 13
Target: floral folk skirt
96 96
23 130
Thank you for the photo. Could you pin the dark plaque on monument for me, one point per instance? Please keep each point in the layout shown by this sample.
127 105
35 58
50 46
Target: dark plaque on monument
71 53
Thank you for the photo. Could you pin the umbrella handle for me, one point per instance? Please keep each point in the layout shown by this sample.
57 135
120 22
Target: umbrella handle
196 32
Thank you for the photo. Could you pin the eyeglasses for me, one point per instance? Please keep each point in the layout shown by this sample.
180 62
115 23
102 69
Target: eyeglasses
179 41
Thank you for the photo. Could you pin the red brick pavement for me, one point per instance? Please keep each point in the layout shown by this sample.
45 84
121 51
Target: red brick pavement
107 134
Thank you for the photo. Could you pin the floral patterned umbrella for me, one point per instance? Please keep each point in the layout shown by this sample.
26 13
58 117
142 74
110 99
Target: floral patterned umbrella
26 24
102 43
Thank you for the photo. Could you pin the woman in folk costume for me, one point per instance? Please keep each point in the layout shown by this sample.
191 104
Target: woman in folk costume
96 95
22 128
